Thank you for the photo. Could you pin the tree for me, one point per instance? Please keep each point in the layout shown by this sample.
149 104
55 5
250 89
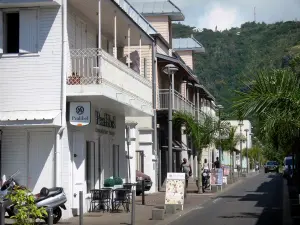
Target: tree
203 133
255 154
230 145
274 96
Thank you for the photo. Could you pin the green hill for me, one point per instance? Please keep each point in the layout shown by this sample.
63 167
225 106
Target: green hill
238 52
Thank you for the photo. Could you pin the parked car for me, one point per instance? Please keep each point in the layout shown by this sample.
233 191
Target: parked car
272 166
148 182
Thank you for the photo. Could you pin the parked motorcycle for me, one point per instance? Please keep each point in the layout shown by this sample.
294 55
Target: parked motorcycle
205 179
54 198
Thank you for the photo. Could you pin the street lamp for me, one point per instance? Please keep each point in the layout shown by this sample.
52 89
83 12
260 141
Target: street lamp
246 130
170 70
240 124
220 147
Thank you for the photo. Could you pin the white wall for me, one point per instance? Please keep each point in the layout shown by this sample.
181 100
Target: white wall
34 82
105 142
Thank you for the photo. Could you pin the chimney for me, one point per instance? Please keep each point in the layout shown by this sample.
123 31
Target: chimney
192 36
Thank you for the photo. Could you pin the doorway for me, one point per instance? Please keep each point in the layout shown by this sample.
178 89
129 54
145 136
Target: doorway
78 168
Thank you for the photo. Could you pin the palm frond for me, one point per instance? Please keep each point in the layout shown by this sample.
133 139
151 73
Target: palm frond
270 89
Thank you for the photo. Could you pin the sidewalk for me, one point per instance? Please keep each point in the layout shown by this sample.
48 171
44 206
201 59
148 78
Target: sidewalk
143 212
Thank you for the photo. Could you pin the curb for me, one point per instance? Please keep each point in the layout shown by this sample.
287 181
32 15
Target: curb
286 211
200 206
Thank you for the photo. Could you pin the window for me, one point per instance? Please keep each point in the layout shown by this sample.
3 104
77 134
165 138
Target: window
90 168
116 162
19 31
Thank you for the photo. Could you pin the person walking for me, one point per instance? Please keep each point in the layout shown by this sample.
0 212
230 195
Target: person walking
186 168
217 163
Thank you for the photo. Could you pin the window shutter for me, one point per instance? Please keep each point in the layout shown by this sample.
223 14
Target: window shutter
28 31
1 32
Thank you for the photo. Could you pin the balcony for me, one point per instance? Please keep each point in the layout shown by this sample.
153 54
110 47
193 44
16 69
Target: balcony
95 72
179 102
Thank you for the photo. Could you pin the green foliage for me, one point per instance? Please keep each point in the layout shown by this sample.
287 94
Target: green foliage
255 154
26 210
118 181
109 182
203 132
235 54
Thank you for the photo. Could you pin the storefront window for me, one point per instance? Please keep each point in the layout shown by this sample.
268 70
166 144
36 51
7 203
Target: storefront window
90 166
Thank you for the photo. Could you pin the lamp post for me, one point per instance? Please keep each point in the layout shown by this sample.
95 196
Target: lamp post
240 124
220 147
170 70
247 160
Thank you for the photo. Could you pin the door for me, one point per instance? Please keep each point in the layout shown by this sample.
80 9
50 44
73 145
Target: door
78 166
41 160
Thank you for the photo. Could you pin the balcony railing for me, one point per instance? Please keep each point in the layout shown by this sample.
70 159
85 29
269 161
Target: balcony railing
180 102
85 71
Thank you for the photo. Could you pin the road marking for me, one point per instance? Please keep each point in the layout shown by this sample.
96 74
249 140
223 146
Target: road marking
217 199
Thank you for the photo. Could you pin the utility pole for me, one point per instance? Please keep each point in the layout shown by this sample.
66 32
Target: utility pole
255 14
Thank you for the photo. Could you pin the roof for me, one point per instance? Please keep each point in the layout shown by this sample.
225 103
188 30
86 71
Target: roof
136 16
180 63
183 44
158 8
13 118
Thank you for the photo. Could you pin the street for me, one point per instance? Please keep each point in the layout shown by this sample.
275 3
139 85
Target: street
256 201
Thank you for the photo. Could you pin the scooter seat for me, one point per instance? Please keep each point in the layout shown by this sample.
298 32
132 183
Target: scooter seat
49 192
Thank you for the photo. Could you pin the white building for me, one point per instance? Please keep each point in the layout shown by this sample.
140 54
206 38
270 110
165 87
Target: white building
64 62
243 128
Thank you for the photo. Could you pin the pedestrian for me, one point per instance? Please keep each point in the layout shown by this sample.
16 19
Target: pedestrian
217 163
186 168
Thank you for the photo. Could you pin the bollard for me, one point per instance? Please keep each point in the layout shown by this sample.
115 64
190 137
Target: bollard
50 216
133 208
2 214
80 208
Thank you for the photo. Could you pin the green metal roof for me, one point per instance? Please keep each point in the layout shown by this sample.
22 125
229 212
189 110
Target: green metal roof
181 44
157 8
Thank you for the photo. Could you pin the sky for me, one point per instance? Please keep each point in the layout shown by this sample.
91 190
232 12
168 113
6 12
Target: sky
232 13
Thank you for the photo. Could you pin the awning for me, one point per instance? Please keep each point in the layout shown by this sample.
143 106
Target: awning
17 118
178 146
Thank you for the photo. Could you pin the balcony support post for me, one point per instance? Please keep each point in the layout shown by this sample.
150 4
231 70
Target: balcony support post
194 100
140 52
128 40
99 38
173 92
115 36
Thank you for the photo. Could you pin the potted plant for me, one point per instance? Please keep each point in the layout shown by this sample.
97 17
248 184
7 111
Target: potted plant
109 183
118 182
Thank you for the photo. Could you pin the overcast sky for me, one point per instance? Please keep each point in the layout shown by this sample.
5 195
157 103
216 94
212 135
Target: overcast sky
232 13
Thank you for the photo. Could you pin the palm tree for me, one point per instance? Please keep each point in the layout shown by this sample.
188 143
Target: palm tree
202 132
274 96
231 143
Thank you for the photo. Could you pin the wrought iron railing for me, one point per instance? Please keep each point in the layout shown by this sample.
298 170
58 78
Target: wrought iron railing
85 67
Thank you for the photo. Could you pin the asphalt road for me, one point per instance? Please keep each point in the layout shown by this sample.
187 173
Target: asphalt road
255 201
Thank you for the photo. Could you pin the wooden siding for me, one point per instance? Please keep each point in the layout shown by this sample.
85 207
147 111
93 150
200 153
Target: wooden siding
161 24
187 57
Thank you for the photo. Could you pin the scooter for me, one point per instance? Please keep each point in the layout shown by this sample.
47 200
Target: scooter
54 198
205 179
